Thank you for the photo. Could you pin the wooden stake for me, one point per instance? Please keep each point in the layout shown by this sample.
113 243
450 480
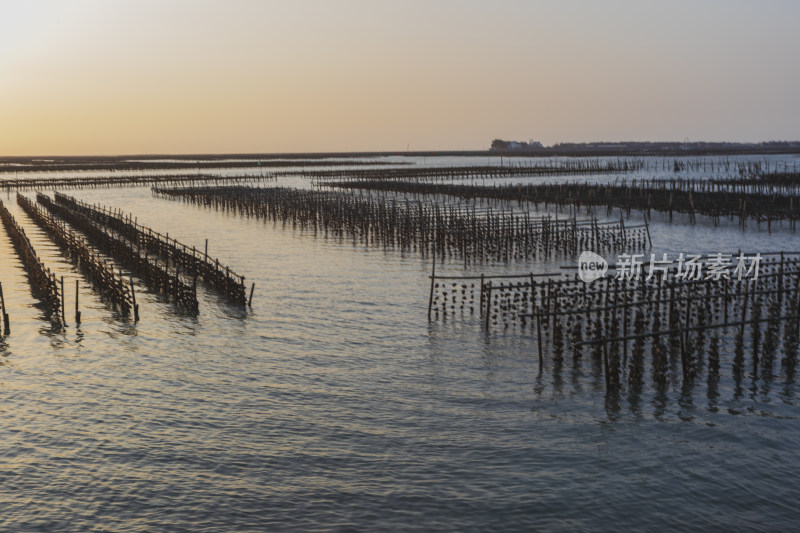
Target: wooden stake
135 305
63 314
6 324
77 313
538 336
433 279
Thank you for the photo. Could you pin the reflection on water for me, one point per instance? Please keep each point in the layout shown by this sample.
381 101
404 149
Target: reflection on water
334 404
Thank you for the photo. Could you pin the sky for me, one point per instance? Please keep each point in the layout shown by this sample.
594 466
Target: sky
191 76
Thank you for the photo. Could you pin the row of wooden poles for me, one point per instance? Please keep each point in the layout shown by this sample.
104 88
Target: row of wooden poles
44 284
111 284
765 184
189 260
783 179
112 166
111 233
474 172
749 167
762 170
155 273
124 180
616 319
675 196
762 167
449 231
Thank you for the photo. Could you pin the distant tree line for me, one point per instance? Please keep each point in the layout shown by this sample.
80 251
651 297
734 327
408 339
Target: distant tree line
500 145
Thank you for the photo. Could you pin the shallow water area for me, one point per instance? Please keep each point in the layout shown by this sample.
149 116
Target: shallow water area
334 404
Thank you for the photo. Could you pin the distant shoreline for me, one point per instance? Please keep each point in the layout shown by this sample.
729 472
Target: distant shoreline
540 152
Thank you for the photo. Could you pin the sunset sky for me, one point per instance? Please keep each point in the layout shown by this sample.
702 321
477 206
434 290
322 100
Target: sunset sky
100 77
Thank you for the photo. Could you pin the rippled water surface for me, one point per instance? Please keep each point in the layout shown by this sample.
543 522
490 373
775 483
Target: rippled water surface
335 405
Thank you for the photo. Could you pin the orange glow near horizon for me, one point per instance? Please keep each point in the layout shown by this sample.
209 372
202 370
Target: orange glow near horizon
95 77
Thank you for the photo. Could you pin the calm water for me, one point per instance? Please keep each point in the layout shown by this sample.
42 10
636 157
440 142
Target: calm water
334 405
